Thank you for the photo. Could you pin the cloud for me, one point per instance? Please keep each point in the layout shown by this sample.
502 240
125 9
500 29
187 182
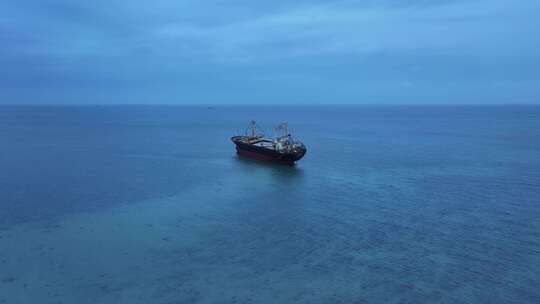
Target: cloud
343 29
128 49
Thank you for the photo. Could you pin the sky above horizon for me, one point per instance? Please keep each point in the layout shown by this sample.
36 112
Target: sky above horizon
251 52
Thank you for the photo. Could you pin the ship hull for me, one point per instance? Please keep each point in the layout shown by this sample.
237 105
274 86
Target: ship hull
266 154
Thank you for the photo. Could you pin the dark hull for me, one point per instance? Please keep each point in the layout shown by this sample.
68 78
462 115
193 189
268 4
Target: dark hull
266 154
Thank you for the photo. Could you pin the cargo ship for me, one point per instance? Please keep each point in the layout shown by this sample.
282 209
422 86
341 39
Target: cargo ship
281 149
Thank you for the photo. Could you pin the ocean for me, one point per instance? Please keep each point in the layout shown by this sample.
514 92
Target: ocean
151 204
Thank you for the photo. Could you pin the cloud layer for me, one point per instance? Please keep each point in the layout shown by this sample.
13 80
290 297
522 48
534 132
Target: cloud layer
164 51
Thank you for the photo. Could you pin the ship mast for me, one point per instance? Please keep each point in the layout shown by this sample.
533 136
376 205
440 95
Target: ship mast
253 127
283 126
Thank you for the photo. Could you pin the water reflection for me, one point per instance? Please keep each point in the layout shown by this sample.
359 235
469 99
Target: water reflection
280 173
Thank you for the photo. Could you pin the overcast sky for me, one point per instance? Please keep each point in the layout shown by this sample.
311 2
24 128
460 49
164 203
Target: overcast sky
240 51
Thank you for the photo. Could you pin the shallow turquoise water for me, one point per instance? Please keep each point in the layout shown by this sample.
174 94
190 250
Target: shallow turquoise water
136 204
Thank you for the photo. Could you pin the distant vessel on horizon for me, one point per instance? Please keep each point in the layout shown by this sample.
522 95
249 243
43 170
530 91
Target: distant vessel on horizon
282 149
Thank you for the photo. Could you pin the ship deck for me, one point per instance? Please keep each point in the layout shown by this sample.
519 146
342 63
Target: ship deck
263 143
257 141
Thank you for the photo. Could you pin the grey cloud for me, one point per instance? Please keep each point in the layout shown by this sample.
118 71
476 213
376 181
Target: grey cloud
237 51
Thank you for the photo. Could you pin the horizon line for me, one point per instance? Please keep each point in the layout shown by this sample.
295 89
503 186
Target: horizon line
260 104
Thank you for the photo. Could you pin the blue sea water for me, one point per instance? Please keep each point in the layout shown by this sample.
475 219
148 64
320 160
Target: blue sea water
150 204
